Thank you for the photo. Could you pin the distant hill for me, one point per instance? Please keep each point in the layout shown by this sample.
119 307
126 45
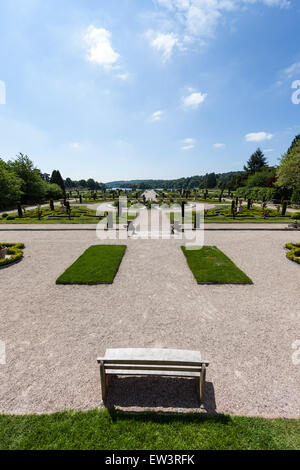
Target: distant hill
205 181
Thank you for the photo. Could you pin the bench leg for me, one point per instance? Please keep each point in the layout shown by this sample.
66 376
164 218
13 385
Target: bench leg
202 383
103 380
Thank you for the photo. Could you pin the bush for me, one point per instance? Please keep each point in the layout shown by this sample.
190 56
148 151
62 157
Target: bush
4 216
10 217
14 249
296 197
295 215
294 252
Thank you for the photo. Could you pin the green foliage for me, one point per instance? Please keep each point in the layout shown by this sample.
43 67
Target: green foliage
79 215
294 252
296 196
56 178
53 191
211 266
264 178
33 187
295 215
258 193
256 162
10 186
99 264
118 430
13 249
289 170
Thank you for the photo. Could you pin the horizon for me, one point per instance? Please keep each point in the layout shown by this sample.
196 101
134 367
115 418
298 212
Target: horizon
122 92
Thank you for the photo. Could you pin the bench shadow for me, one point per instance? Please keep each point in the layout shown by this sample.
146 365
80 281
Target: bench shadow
159 392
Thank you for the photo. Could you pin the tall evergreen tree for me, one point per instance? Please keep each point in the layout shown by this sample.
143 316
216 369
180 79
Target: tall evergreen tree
57 179
256 162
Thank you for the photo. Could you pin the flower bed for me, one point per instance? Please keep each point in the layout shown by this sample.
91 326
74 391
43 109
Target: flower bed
294 252
13 249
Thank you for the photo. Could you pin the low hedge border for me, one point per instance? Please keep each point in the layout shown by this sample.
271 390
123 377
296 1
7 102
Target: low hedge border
294 252
14 249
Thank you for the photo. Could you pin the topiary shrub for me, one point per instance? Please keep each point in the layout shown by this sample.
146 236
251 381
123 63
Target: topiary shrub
294 252
13 249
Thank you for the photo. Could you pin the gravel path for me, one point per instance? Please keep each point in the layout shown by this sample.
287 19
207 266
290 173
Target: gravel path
53 334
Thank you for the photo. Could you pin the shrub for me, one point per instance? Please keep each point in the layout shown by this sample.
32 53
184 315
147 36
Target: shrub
294 252
296 197
295 215
13 249
10 217
4 216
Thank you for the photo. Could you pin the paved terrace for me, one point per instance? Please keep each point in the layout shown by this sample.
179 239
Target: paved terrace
53 334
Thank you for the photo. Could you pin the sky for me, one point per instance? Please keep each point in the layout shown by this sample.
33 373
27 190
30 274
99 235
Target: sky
140 89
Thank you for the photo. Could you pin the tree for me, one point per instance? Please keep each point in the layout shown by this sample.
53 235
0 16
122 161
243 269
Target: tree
256 162
289 170
32 187
69 183
263 178
10 187
57 179
91 184
211 181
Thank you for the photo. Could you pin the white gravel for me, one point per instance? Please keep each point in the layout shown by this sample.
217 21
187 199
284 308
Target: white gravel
53 334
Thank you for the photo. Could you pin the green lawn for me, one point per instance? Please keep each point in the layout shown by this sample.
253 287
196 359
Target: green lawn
118 430
99 264
79 215
211 266
223 215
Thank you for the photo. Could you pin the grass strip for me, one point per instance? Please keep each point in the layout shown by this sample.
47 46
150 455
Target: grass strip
117 430
211 266
99 264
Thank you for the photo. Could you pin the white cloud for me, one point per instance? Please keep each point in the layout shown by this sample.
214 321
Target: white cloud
193 100
100 50
258 136
219 146
268 150
163 43
157 116
188 144
197 20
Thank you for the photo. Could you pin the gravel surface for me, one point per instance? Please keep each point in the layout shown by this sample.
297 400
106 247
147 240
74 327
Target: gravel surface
53 334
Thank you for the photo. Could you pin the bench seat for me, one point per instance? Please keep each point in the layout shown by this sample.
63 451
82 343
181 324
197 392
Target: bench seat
154 362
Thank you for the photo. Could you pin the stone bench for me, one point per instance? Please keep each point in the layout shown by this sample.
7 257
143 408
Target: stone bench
161 362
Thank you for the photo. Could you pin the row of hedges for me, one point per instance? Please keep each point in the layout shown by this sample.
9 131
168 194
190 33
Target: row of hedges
294 252
269 194
14 249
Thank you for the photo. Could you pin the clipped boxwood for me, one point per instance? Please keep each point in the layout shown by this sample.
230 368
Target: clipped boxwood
294 252
13 249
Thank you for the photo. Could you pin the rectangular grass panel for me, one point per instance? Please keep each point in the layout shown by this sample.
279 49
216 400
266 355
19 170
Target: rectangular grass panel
211 266
99 264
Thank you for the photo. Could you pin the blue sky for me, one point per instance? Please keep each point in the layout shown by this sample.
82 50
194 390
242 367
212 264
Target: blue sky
125 89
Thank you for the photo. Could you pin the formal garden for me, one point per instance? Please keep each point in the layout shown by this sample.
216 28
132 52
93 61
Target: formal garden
87 295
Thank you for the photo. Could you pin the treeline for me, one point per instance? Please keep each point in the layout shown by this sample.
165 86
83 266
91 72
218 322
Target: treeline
208 181
22 183
257 180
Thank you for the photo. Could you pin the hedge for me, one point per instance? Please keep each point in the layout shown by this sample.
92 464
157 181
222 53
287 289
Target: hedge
14 249
294 252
